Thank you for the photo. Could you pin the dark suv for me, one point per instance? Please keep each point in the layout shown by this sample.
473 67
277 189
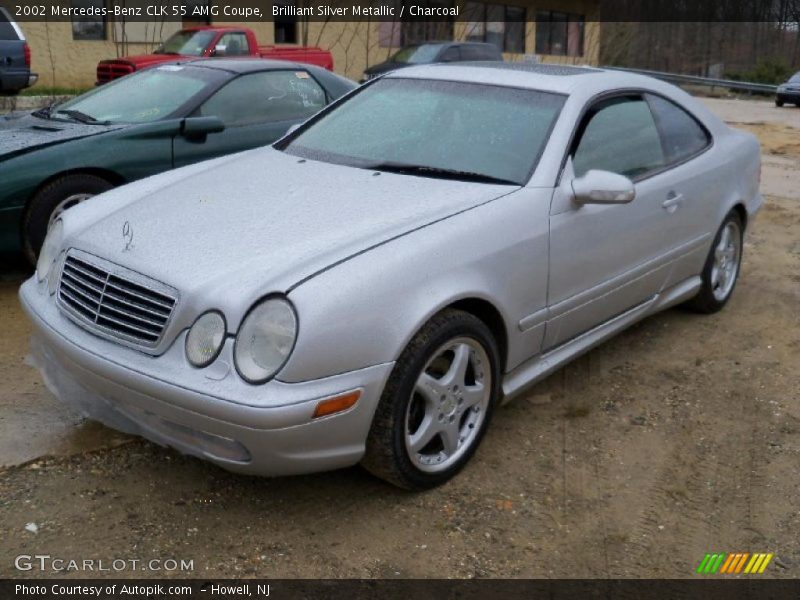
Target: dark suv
15 57
789 92
435 52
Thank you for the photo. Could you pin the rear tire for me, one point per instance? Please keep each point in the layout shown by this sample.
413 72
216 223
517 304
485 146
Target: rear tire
437 403
721 271
50 201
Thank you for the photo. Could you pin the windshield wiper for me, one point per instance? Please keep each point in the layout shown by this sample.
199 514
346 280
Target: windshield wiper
81 117
438 172
45 112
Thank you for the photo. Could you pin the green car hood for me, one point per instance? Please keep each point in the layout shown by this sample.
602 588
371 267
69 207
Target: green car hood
21 133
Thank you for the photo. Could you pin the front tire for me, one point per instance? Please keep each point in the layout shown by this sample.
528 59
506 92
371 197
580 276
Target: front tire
779 103
721 271
437 403
48 204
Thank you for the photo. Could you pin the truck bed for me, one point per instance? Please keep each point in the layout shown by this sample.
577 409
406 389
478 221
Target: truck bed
303 54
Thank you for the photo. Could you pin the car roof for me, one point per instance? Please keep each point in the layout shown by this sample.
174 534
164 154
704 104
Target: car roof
449 43
242 65
562 79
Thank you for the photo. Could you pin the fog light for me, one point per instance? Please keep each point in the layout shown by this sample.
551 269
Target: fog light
205 338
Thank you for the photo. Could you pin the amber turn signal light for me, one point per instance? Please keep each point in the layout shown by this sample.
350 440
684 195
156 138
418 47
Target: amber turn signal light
338 404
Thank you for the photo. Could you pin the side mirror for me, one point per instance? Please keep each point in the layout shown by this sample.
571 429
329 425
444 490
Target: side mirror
219 50
603 187
196 129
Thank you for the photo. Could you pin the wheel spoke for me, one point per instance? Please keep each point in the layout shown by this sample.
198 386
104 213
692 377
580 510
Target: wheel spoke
724 240
458 368
450 434
426 431
473 395
723 278
429 388
715 274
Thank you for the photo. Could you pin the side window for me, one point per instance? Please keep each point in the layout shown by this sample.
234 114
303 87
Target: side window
452 54
8 31
266 97
619 135
235 44
681 133
473 52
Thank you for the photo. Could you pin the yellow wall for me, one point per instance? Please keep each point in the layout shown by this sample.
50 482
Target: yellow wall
61 61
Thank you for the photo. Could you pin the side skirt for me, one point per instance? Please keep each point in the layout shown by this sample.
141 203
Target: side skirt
539 367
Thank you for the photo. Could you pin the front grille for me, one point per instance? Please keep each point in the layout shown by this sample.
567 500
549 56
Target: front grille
115 301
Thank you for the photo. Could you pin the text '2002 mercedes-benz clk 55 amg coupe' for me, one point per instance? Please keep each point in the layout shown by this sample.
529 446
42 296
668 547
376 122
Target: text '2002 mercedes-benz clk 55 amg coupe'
370 288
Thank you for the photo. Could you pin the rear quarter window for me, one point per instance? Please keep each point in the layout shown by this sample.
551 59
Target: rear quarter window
681 134
479 53
7 30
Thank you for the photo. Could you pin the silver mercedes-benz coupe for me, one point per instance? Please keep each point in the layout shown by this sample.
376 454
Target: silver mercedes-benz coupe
372 286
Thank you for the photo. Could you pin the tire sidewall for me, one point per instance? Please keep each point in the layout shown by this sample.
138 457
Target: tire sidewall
469 327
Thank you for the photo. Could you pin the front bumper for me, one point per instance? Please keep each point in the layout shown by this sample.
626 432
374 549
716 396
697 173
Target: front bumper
789 96
210 413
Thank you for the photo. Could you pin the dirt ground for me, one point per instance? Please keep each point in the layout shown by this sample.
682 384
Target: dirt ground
679 437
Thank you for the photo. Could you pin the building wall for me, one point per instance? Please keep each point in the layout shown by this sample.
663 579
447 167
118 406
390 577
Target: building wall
63 62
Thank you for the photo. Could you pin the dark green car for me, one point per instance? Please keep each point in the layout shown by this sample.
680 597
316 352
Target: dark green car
148 122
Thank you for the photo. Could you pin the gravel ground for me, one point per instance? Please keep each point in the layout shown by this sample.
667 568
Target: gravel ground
677 438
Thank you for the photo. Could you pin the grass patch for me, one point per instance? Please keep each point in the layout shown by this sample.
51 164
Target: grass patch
53 91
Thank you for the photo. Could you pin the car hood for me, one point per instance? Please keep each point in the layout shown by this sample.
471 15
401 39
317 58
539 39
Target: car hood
384 67
264 220
22 132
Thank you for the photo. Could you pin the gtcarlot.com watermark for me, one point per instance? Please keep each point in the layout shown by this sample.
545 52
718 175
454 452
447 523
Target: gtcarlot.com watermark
48 563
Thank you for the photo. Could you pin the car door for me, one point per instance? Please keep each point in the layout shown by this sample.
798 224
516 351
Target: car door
608 258
257 109
698 188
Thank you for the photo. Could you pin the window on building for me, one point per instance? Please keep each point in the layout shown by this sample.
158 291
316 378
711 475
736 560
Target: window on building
89 27
559 34
498 24
285 25
414 32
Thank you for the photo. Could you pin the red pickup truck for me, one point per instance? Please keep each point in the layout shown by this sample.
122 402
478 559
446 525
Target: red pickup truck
204 42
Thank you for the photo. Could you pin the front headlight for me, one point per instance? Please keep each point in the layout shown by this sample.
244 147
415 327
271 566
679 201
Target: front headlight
50 248
782 88
205 339
265 340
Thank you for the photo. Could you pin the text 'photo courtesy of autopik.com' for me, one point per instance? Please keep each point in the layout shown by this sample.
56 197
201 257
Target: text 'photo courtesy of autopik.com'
399 298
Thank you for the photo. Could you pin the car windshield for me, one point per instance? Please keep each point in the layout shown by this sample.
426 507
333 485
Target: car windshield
434 128
188 43
141 97
795 78
424 53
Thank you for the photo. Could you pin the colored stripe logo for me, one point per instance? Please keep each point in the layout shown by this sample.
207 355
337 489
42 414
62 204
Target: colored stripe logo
734 563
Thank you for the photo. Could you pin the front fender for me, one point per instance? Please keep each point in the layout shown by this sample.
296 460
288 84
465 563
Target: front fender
365 310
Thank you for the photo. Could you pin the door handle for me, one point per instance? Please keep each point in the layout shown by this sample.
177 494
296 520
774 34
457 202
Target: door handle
672 202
